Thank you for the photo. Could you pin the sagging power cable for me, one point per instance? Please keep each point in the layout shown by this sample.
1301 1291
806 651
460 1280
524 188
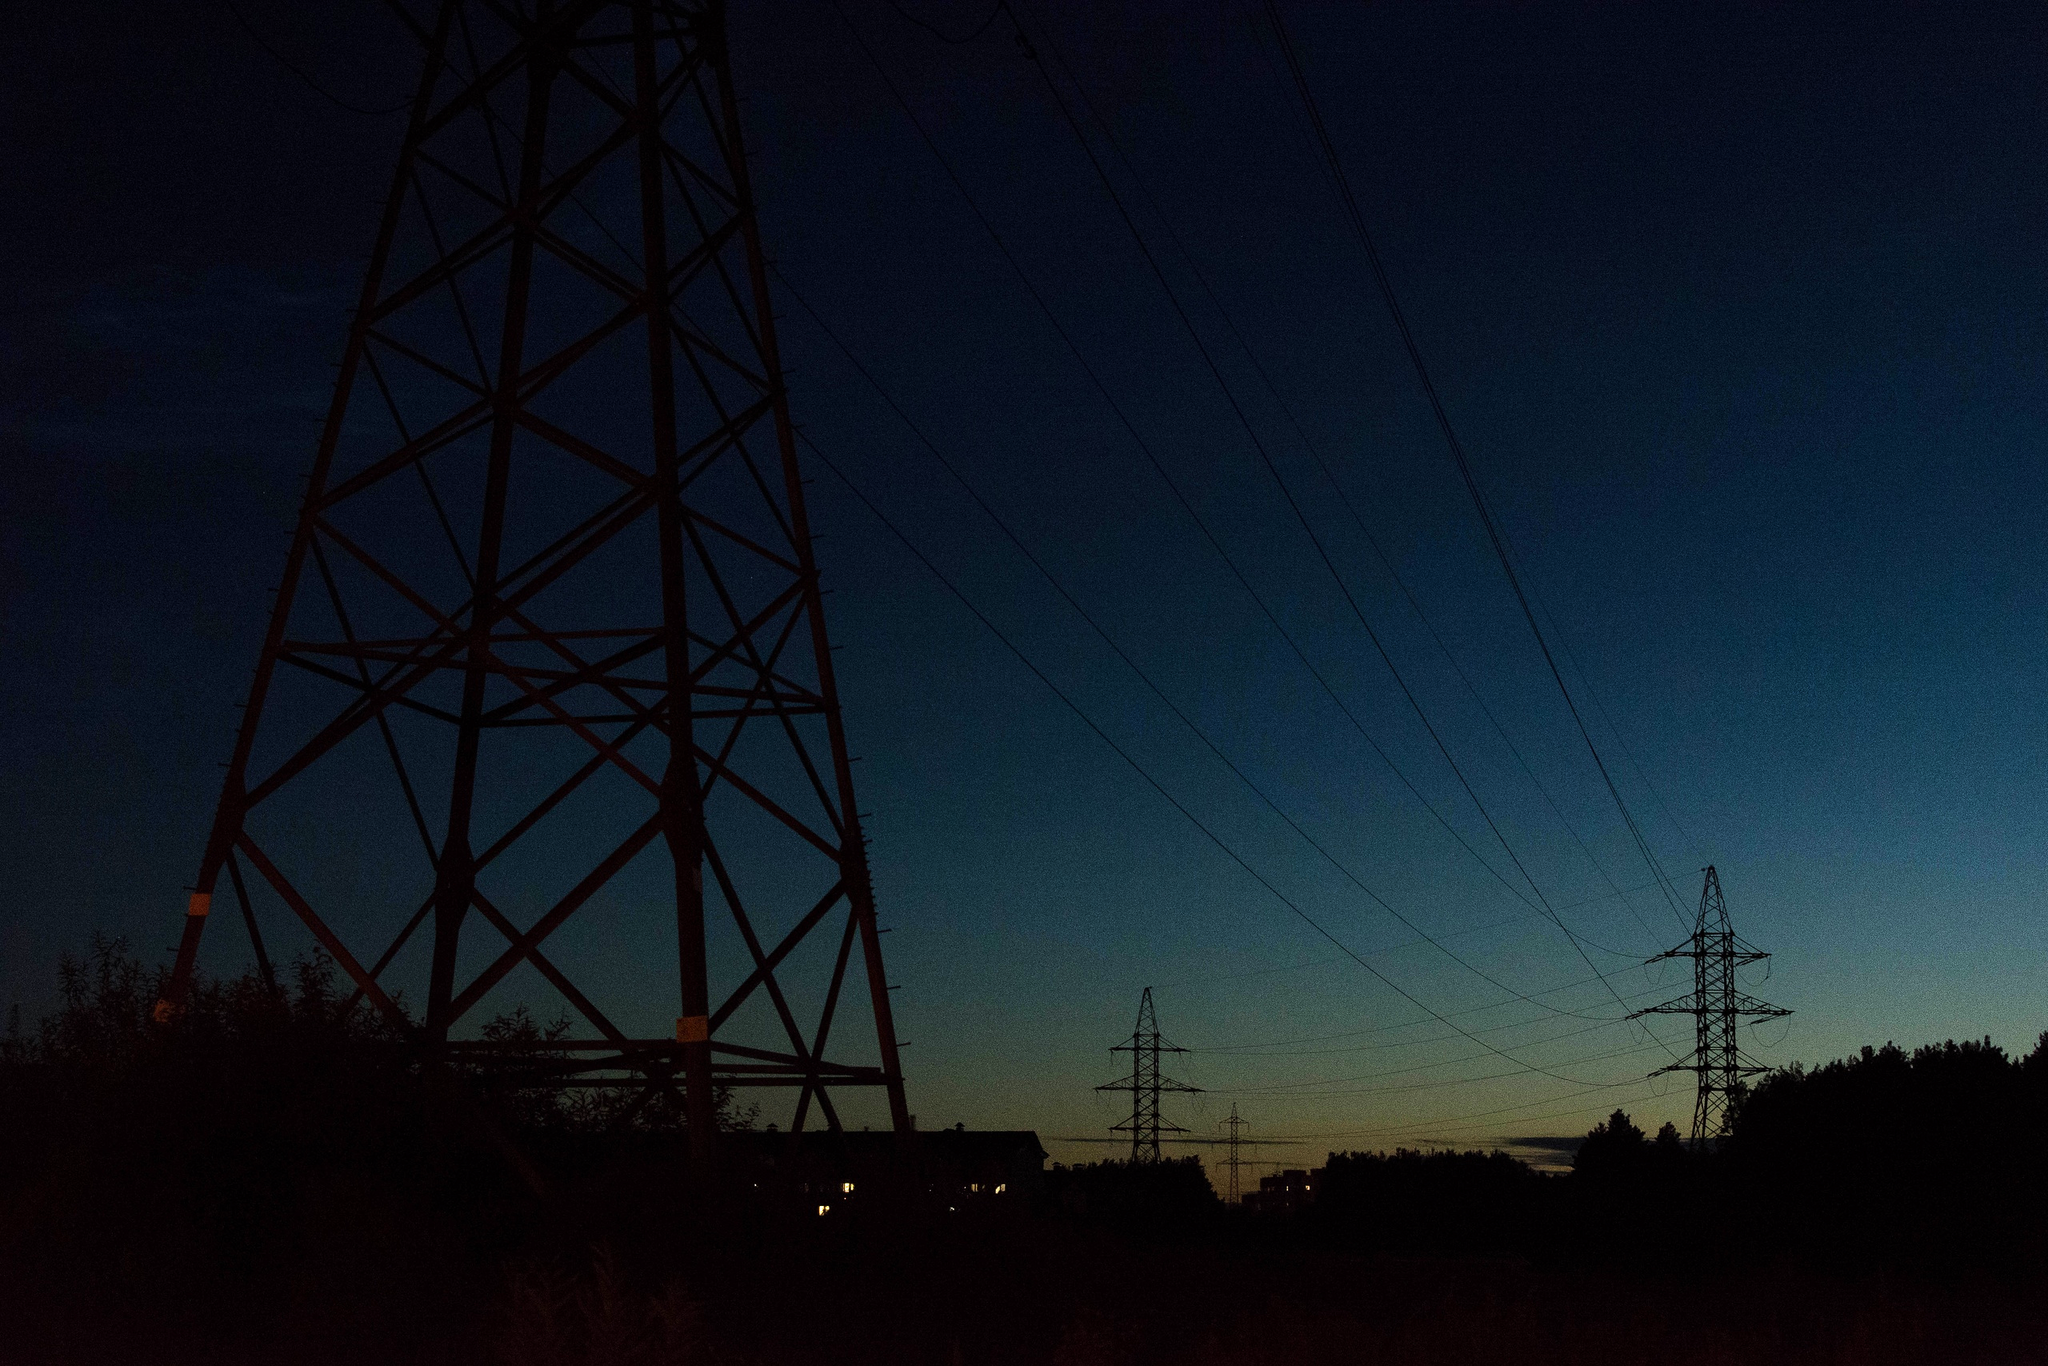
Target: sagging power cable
1116 648
1159 468
1355 220
1293 504
1131 761
1351 509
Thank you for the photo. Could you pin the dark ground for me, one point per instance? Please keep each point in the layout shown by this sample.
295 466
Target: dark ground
954 1297
1000 1292
270 1179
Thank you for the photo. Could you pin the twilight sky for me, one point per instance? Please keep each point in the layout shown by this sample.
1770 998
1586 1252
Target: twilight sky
1739 312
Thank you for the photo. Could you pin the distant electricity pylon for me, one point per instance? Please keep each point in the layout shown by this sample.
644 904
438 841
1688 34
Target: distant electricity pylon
1231 1163
1715 1005
553 575
1145 1085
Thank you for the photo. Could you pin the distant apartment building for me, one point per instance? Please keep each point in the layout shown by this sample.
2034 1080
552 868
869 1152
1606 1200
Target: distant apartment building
1285 1192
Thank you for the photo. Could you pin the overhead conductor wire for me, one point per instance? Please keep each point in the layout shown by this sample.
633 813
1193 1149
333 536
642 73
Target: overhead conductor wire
1355 220
1293 504
1351 509
1152 459
1152 782
1172 485
1116 648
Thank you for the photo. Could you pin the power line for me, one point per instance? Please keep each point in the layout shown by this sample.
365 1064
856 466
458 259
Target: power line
1123 754
1303 1087
1272 470
1451 1123
1159 468
1393 1028
1355 219
1287 1093
1188 1142
1564 642
939 34
1395 948
1280 1050
310 83
1107 639
1358 520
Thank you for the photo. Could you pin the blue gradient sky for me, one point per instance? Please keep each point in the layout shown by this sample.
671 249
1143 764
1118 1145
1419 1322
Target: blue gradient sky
1740 314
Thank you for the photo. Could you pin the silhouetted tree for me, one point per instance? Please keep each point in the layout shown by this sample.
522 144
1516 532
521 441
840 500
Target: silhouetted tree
1921 1155
1446 1202
1614 1150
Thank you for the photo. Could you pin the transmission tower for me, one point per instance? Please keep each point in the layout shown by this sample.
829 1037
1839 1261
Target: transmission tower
1145 1085
553 576
1715 1005
1231 1163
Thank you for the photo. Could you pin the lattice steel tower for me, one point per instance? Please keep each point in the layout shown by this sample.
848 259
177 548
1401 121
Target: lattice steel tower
1145 1085
1233 1162
553 576
1716 1005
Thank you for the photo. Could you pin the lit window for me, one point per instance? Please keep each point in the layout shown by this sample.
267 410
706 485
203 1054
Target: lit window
824 1209
1003 1187
846 1188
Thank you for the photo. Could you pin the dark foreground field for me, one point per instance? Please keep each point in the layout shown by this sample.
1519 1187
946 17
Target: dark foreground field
1048 1294
269 1178
1105 1305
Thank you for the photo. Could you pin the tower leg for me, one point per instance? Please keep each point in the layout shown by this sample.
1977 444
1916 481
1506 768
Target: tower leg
494 372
